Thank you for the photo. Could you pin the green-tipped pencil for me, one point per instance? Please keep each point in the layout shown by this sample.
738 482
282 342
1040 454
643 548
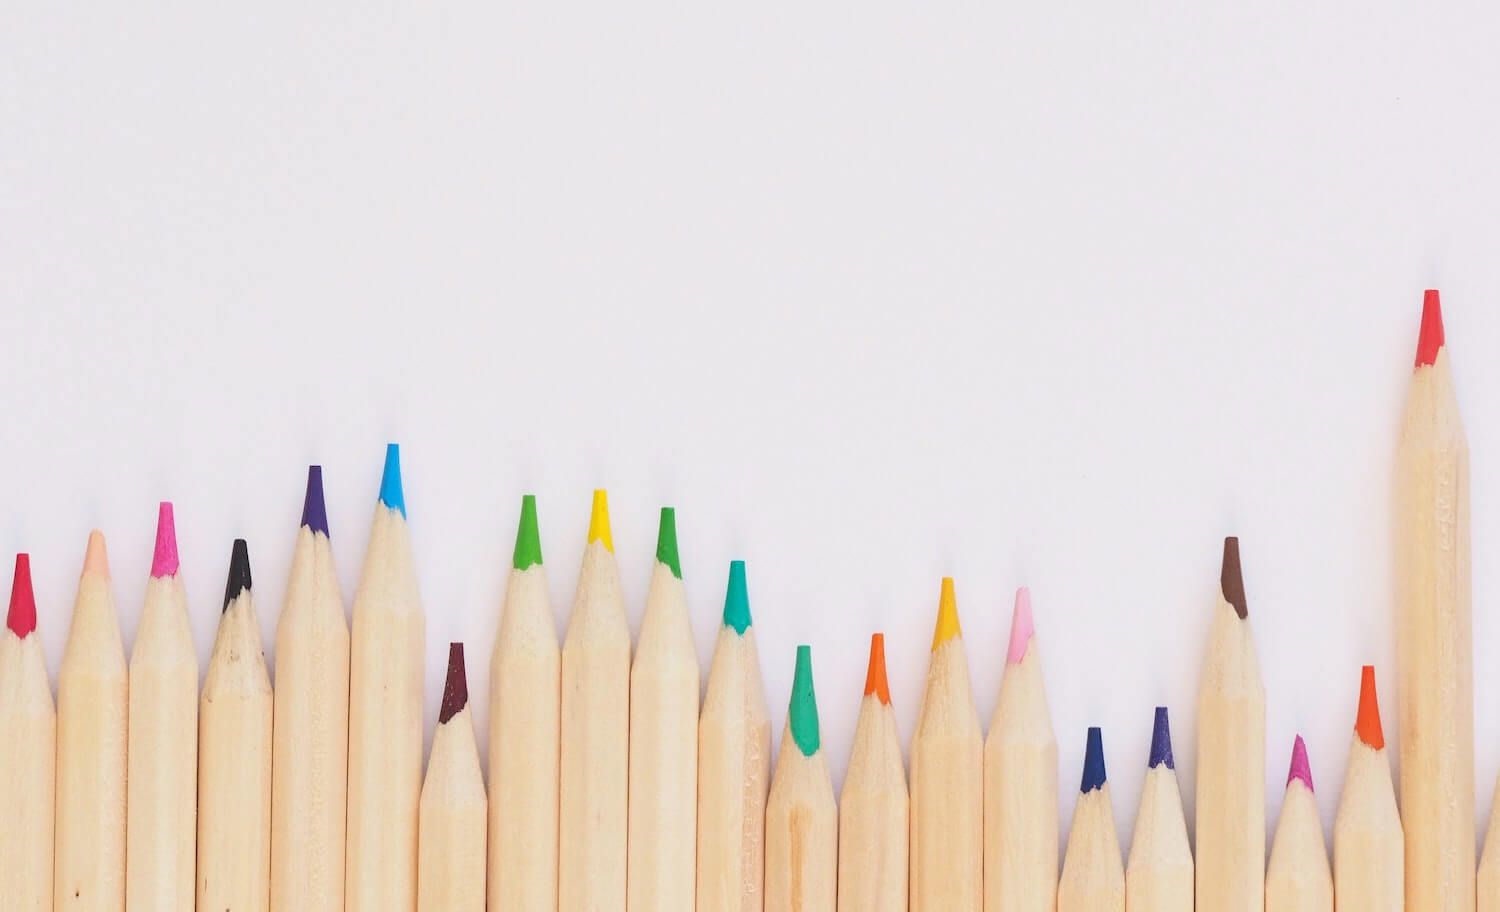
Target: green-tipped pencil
802 823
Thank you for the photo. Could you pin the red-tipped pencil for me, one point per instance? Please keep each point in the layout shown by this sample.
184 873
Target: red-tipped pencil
28 752
873 817
1368 850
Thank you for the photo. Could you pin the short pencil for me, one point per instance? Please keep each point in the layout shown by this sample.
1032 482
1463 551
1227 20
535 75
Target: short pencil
873 807
1298 878
1159 874
1093 878
1367 839
28 753
801 818
451 841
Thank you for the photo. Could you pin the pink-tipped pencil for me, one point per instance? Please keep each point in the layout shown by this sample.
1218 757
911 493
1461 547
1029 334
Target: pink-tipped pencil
1298 878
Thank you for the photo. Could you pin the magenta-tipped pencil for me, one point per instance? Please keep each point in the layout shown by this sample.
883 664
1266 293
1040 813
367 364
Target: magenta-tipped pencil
1298 878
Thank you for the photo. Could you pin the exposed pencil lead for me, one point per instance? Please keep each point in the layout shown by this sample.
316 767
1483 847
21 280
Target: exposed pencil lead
528 538
391 492
314 510
875 680
1161 741
802 713
599 521
1367 723
96 556
947 619
1094 776
1231 580
737 599
1430 338
1300 768
239 572
456 689
1022 628
21 618
164 558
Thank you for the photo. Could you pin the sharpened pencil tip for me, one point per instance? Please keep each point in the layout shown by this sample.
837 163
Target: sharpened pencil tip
1430 339
875 680
21 618
164 558
1367 723
239 572
1094 776
391 492
1231 579
1161 741
947 618
666 542
1022 629
456 689
802 713
314 510
528 537
737 599
599 522
1300 768
96 556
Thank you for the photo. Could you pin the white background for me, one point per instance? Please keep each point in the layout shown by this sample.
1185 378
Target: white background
872 293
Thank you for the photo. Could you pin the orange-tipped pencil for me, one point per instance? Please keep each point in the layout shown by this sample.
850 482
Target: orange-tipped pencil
1298 878
1367 843
873 819
1434 649
947 778
28 753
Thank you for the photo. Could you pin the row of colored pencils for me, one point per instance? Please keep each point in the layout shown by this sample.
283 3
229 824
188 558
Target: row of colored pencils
611 788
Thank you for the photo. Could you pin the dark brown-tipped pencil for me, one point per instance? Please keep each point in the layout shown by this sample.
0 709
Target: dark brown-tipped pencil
451 854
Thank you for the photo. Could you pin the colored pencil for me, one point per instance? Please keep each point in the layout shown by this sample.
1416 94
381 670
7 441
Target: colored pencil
310 752
664 740
28 754
1020 781
1488 885
734 757
161 783
1093 878
1298 878
947 778
1231 756
525 695
234 757
93 708
1367 841
450 867
802 819
386 656
1159 874
1435 655
874 824
593 781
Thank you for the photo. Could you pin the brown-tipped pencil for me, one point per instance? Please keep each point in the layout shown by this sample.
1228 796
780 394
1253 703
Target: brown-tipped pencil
1368 851
873 808
1298 878
1434 651
454 815
1231 810
28 754
947 778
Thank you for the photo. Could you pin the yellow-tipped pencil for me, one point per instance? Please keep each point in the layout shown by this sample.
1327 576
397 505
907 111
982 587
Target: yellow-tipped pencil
1367 843
1093 879
802 820
1434 648
28 754
593 784
451 844
947 779
734 758
93 706
525 709
663 740
1020 781
874 823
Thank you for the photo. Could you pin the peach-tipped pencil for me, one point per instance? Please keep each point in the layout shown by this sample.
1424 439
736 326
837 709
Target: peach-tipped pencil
310 752
1093 878
1298 878
234 757
947 778
874 823
1159 875
734 758
802 821
663 812
28 754
1020 781
451 854
161 782
1367 843
1231 810
525 707
593 781
93 708
386 647
1434 651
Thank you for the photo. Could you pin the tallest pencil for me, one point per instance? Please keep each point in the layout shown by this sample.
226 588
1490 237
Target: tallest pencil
1435 656
385 713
